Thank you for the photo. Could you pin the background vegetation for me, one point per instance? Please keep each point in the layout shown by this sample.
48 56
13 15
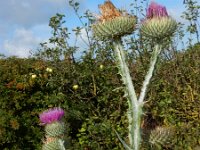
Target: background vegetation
95 107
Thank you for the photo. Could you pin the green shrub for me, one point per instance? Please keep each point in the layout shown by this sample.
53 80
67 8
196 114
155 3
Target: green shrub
174 98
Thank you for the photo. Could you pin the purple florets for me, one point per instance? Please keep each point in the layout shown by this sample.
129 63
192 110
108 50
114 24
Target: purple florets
156 10
51 115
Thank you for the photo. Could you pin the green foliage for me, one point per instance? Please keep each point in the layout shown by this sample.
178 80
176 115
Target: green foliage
174 98
191 14
18 107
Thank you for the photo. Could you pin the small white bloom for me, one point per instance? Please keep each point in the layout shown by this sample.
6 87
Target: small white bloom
101 67
33 76
75 87
49 70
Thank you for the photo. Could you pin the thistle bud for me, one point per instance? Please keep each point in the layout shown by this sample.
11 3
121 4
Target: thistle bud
113 23
158 24
161 136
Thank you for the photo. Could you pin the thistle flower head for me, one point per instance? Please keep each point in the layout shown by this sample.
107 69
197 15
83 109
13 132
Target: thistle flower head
51 115
158 24
113 23
161 135
156 10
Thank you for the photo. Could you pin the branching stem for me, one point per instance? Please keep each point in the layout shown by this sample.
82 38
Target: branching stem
149 75
134 110
135 105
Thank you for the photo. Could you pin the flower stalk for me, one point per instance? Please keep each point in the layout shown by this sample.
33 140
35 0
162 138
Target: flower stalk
149 74
134 110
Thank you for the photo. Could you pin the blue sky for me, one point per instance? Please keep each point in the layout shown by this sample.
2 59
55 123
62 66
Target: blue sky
24 23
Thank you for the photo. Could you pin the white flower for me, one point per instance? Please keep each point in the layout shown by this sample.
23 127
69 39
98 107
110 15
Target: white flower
75 87
33 76
49 70
101 67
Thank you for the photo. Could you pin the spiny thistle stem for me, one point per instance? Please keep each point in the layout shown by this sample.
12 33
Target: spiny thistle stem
134 110
149 75
61 142
125 73
135 105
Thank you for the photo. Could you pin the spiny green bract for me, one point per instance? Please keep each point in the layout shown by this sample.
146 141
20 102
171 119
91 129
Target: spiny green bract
54 145
158 28
160 136
116 27
54 129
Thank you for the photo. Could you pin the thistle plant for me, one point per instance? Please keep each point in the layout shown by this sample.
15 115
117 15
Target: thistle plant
113 25
54 129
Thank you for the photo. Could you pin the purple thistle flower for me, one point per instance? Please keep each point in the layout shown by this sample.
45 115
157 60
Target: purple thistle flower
51 115
156 10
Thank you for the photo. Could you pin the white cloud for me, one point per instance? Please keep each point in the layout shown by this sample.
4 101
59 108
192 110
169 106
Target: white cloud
30 15
25 22
29 12
21 43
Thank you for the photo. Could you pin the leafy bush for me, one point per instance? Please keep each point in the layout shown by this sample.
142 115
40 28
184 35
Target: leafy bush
174 97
